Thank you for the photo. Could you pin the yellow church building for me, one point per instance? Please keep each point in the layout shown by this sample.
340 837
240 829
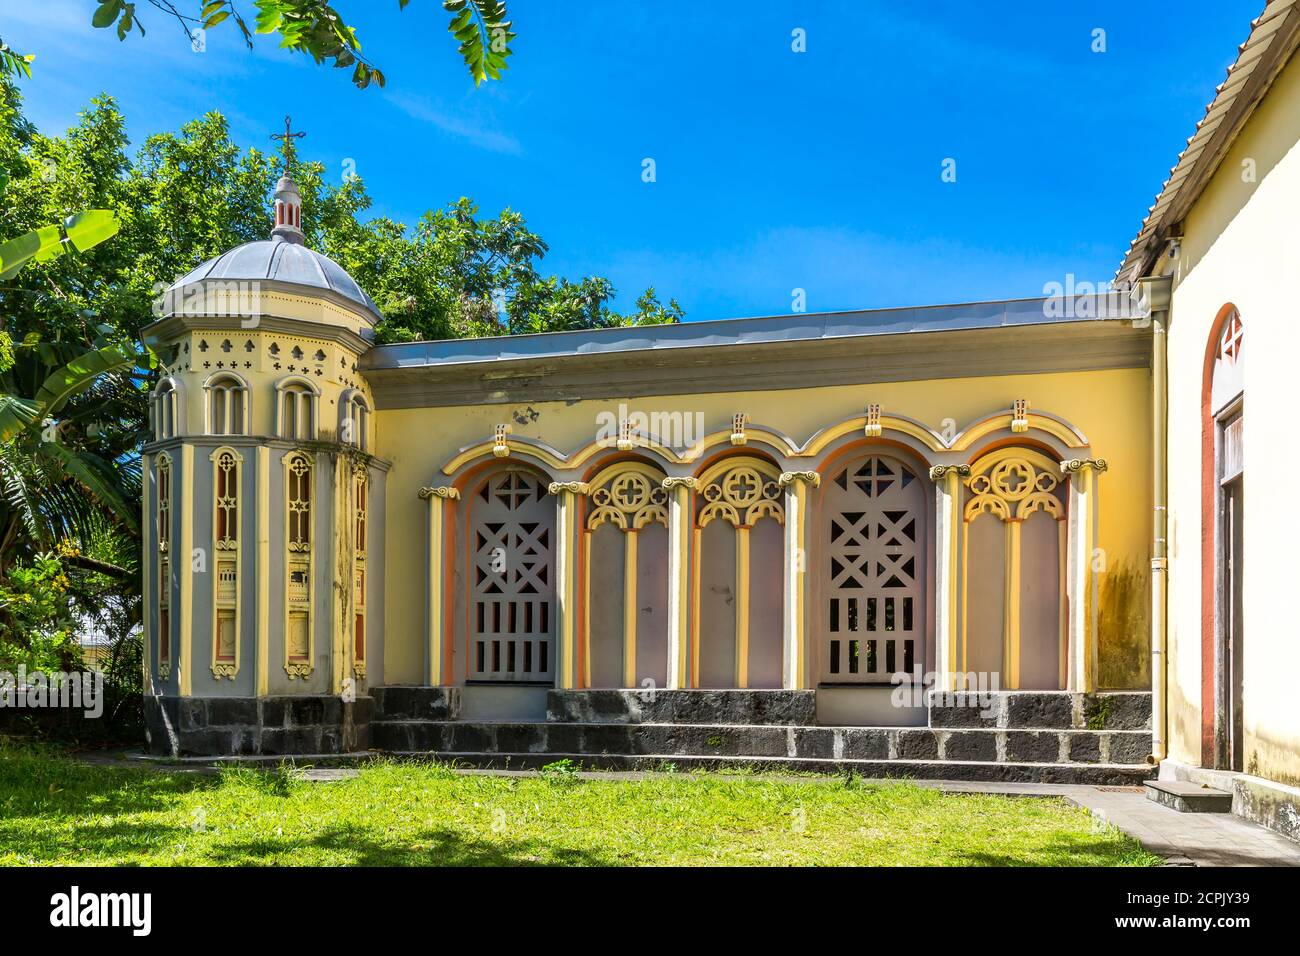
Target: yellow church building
996 540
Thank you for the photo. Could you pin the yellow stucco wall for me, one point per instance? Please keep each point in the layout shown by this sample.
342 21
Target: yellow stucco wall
1110 407
1241 246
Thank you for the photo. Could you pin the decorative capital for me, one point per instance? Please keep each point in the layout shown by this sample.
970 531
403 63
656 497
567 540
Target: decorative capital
499 446
223 670
938 472
1076 465
296 669
442 491
807 477
1020 415
573 487
668 484
873 428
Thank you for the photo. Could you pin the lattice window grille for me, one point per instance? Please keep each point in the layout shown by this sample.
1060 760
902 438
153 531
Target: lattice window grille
874 536
513 586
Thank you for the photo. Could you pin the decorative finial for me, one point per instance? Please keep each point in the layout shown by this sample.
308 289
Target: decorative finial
288 201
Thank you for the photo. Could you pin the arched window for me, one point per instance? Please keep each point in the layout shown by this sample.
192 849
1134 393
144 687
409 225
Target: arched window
738 538
626 542
163 518
354 420
298 660
296 409
870 611
1223 433
1013 570
511 568
165 410
227 405
226 463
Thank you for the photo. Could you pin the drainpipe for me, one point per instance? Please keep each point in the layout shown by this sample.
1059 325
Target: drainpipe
1154 294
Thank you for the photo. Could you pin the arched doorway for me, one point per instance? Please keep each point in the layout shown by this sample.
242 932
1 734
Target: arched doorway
511 574
869 617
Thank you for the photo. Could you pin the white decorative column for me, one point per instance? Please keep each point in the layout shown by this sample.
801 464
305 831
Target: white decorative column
437 598
184 561
948 521
680 493
568 532
793 640
262 564
1082 569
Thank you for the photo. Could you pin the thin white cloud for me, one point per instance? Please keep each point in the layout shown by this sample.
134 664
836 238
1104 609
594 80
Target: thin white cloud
459 127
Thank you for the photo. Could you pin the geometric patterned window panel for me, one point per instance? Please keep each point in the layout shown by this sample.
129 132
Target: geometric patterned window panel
741 560
298 658
225 545
872 613
164 522
626 564
1014 537
361 490
512 570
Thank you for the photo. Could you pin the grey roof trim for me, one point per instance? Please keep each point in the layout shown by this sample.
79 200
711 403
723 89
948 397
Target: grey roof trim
803 327
1274 36
763 365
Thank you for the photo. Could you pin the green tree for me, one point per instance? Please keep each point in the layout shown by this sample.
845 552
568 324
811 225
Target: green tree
315 28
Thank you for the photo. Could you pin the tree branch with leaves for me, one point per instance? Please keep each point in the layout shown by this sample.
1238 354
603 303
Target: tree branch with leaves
317 29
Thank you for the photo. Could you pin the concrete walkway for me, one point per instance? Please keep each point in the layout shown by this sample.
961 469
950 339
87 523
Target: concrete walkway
1183 839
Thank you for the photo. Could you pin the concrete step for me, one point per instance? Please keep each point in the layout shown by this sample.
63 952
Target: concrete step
1188 797
1089 774
979 745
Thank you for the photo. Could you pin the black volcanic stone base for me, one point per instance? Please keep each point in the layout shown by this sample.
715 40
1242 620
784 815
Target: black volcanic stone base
252 726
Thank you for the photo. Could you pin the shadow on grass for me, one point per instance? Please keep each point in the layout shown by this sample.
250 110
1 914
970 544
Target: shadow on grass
1063 851
433 847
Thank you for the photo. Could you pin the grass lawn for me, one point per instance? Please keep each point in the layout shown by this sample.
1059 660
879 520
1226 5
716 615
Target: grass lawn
55 810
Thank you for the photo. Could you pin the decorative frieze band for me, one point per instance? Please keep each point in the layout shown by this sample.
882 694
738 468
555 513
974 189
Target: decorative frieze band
443 491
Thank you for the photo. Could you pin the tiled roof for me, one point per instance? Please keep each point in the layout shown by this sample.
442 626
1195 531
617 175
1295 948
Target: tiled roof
1274 35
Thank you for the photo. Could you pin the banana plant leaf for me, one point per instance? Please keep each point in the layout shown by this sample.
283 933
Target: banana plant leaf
83 231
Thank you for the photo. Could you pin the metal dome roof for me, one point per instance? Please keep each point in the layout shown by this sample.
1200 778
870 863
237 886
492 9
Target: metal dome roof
275 260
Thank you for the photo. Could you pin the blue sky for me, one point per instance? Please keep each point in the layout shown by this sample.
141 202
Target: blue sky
775 170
